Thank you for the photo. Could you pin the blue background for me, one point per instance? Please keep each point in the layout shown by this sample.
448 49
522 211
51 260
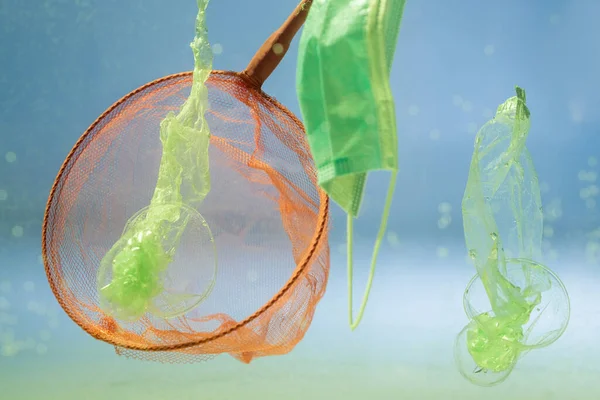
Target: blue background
63 62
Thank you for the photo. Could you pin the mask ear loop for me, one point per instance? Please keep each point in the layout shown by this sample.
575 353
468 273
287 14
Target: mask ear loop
376 247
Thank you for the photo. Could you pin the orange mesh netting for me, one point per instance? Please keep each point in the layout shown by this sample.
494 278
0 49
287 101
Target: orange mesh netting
268 217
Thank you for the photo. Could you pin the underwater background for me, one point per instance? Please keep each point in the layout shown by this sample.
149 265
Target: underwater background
63 62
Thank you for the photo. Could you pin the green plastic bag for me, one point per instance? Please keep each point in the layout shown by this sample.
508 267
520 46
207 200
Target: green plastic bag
526 305
131 274
345 56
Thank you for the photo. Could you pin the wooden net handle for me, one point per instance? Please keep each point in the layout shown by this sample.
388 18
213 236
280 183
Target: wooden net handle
270 54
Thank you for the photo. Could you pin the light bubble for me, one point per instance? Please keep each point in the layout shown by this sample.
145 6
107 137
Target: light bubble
10 349
472 127
587 176
467 106
489 49
577 111
278 48
41 349
4 303
444 221
444 207
10 157
548 231
393 239
442 252
29 286
217 49
45 335
17 231
553 210
554 19
5 287
36 308
592 161
590 204
588 192
413 110
434 134
592 251
457 100
3 195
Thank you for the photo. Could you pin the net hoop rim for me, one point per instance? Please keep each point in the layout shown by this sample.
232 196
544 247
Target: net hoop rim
95 330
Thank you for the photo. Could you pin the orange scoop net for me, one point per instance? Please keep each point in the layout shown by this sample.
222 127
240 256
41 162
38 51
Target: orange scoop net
268 217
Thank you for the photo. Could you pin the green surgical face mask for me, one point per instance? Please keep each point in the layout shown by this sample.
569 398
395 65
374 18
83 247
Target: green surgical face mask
345 56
